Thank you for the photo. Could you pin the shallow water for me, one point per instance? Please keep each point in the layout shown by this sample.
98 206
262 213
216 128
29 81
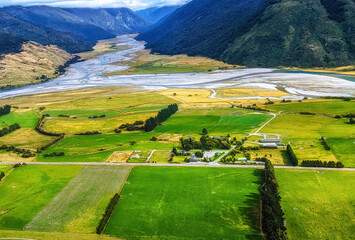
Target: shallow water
88 74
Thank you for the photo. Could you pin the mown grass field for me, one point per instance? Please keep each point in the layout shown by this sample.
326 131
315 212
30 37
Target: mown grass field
27 119
188 203
318 205
333 107
218 122
28 189
98 148
80 205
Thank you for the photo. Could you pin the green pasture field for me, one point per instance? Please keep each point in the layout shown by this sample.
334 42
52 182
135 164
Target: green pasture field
322 107
26 120
80 205
98 148
28 189
344 150
188 203
318 205
216 121
4 168
81 113
161 157
297 126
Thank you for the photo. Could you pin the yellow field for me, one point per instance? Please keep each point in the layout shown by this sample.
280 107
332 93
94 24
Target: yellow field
348 70
119 157
25 138
13 157
244 92
276 156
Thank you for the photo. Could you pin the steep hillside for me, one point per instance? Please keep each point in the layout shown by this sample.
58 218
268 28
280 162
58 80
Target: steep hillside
155 14
13 32
299 33
113 20
33 64
60 20
203 27
293 33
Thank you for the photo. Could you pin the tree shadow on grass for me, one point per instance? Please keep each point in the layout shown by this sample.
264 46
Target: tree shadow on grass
251 212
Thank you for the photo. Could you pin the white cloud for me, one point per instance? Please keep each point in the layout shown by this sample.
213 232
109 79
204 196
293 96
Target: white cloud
134 4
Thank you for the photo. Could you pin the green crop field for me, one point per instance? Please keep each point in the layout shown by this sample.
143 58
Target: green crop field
28 189
80 205
97 148
318 205
216 121
326 107
26 120
188 203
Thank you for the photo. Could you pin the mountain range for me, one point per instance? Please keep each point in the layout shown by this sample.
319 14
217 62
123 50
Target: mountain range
155 14
260 33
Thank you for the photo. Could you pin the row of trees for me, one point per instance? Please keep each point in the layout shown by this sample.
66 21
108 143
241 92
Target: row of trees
324 143
25 153
9 129
291 155
317 163
205 143
108 212
162 116
2 175
273 220
54 154
5 110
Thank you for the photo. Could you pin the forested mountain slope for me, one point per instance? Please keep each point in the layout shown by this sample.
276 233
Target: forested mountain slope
154 14
300 33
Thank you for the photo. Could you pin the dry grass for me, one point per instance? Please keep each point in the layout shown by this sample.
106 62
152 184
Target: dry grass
32 62
25 138
119 157
152 63
13 157
101 48
348 70
244 92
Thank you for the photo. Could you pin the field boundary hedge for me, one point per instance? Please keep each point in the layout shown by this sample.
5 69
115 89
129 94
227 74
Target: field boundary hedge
108 212
325 164
273 221
291 155
40 130
163 115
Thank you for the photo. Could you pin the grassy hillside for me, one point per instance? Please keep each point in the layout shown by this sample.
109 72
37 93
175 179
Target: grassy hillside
30 64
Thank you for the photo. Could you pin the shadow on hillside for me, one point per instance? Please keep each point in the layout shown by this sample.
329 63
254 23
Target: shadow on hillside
251 212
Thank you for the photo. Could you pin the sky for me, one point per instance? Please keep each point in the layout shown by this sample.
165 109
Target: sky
133 4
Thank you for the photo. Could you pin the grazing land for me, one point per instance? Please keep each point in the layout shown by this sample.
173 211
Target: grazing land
78 207
159 203
146 63
28 189
245 92
219 122
318 205
323 107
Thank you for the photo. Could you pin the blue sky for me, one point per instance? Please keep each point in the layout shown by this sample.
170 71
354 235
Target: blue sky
134 4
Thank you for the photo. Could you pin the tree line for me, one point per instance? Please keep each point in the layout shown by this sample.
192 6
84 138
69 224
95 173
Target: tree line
324 143
5 110
205 143
318 163
291 155
2 175
108 212
9 129
273 220
25 153
163 115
